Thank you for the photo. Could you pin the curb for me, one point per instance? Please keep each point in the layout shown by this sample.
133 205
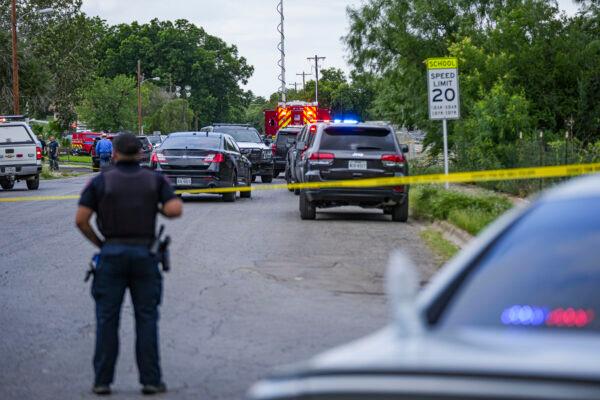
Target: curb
453 234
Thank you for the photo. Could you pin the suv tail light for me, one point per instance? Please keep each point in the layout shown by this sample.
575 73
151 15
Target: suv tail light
392 160
274 148
38 153
321 158
158 158
215 158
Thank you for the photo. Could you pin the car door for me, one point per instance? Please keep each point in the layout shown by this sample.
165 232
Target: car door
295 153
236 158
244 165
301 160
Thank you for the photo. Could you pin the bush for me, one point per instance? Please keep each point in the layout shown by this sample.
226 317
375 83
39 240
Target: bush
471 212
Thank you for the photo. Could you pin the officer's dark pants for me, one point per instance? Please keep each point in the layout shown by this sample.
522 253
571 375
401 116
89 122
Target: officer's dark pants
121 267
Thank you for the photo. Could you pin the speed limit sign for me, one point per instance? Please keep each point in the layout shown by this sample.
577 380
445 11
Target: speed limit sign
442 79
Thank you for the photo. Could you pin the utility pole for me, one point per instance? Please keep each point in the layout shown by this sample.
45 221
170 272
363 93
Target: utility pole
295 86
15 61
281 48
316 59
304 75
139 96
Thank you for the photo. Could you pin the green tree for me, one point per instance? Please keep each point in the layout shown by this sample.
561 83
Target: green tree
175 116
110 104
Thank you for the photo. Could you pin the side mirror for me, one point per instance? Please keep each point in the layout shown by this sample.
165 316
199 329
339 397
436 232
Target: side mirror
402 284
404 148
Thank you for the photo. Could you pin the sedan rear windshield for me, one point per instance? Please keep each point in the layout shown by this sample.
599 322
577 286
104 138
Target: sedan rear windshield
357 138
543 273
192 143
14 134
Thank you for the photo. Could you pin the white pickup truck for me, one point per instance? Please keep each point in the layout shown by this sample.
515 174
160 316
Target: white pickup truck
20 156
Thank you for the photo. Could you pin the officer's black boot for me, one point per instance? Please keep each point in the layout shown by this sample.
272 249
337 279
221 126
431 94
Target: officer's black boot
154 389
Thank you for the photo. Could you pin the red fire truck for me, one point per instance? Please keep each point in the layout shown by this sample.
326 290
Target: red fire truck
83 142
294 113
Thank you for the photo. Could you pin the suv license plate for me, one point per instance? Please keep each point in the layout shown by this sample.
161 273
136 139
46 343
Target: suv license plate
10 170
357 164
184 181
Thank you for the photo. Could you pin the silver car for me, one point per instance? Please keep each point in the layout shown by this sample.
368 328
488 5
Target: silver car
516 315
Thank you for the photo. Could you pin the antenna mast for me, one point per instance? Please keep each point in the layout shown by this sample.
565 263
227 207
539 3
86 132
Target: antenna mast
281 48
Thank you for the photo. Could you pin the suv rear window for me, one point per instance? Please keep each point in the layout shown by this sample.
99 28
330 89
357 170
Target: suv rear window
543 273
285 136
357 138
14 134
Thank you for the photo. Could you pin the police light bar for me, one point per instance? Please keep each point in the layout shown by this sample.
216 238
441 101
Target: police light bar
10 118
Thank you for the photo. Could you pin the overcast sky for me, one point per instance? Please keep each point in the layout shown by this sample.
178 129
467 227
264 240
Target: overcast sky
312 27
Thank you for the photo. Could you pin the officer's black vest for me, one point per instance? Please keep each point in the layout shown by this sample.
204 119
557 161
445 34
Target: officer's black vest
128 207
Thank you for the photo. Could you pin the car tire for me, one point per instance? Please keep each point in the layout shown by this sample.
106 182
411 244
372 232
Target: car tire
266 178
400 212
253 178
33 184
276 174
307 210
297 192
247 194
7 184
230 197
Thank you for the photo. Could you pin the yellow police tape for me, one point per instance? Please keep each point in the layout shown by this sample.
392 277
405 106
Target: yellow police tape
457 177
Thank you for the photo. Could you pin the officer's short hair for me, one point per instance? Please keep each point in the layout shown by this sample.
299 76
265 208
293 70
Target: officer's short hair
127 144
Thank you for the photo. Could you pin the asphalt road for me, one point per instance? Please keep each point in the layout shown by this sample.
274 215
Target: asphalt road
252 287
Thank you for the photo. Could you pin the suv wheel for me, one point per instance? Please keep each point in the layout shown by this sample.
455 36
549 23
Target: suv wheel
266 178
276 174
247 194
307 209
7 184
400 212
33 184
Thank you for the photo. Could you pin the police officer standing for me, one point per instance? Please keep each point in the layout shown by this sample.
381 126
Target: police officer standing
104 150
126 200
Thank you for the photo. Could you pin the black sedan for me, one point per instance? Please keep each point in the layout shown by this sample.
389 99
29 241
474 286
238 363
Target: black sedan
203 160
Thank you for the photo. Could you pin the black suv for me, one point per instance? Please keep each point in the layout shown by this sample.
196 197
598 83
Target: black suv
251 145
353 151
285 140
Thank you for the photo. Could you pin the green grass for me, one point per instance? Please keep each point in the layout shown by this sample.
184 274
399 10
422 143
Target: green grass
77 159
46 174
469 211
444 249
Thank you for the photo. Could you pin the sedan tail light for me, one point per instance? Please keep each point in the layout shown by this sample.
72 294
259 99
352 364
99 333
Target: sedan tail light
321 158
38 153
215 158
392 160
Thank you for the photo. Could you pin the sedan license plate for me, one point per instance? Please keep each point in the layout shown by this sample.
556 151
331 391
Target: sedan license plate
10 170
184 181
357 165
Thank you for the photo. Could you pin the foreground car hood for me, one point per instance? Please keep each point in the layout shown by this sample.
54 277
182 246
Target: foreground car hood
467 354
250 145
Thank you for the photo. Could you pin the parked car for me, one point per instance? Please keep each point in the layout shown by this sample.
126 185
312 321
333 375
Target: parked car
284 141
20 154
514 316
200 160
251 145
155 140
339 152
306 136
145 150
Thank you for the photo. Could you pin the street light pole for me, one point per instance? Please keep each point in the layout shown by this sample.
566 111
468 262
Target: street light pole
15 61
139 97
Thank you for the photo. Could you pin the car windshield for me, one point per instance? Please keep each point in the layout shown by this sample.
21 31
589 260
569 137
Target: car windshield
287 136
240 134
191 143
14 134
154 139
357 138
544 273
